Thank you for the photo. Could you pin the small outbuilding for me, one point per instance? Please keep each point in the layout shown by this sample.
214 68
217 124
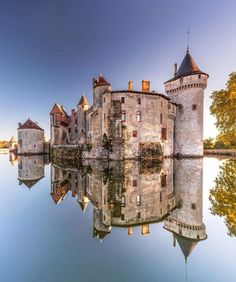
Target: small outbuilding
30 138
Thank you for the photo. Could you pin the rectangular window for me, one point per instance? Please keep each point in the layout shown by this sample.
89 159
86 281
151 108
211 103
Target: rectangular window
139 215
138 116
161 103
122 100
163 180
138 200
194 107
104 100
69 129
104 117
134 183
122 217
161 118
160 196
123 201
76 121
123 116
139 101
76 130
163 133
135 133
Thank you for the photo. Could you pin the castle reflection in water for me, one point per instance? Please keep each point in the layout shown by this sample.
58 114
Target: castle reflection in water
129 193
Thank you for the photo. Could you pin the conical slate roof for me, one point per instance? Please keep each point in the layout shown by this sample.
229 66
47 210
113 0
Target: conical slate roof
30 183
29 124
187 245
83 101
187 67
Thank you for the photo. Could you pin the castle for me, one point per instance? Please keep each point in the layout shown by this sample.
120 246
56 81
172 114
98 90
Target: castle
131 195
131 124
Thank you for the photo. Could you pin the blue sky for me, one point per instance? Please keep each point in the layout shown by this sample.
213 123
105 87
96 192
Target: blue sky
51 49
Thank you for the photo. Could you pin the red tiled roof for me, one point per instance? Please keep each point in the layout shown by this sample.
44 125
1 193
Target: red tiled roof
29 124
58 109
100 81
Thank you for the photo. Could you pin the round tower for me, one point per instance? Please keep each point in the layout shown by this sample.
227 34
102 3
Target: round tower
186 221
186 89
100 86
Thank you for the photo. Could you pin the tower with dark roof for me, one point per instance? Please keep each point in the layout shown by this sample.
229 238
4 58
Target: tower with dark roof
82 108
30 138
186 89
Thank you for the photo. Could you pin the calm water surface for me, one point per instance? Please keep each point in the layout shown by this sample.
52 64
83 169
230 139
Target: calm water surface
117 222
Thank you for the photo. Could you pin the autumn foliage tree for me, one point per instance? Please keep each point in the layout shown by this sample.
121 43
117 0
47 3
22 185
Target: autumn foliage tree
224 109
223 195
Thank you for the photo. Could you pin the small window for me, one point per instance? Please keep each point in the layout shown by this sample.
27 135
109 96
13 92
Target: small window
123 116
138 116
161 118
76 130
123 201
199 76
104 117
160 196
69 129
139 215
134 183
139 101
194 107
193 206
122 217
138 200
163 180
76 121
169 106
104 100
135 133
161 103
122 100
163 134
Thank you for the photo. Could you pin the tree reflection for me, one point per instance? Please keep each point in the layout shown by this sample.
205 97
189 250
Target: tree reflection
223 195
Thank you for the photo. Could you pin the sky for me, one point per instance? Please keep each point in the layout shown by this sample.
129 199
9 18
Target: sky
50 50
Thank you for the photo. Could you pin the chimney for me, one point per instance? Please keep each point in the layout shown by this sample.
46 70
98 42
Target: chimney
145 229
131 85
19 124
146 85
175 69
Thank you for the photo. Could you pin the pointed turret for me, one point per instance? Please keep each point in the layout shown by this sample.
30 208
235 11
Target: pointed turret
100 81
84 203
187 67
83 101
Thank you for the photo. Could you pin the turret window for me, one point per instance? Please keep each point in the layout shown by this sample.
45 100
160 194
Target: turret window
139 101
161 118
194 107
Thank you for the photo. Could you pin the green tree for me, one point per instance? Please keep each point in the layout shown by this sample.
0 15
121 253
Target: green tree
223 195
208 143
223 107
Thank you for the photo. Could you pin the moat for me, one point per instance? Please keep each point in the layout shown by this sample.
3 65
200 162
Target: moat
120 221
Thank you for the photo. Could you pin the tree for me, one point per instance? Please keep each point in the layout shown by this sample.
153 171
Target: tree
223 195
223 107
208 143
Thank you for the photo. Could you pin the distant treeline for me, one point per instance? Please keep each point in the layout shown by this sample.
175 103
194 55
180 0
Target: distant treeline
210 143
4 144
